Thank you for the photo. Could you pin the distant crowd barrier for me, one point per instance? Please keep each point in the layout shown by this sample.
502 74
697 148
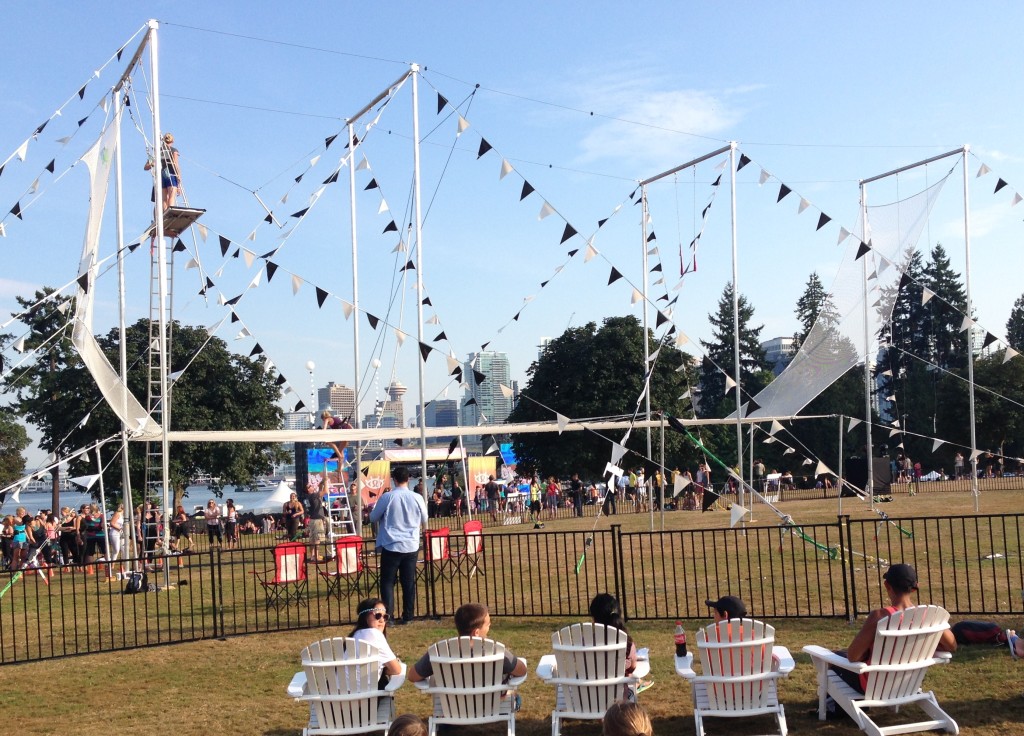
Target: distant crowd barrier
967 564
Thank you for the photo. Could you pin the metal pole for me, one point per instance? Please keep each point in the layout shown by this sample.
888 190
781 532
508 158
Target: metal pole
647 343
415 70
970 337
103 507
465 477
358 513
736 320
661 486
839 472
128 521
868 448
165 403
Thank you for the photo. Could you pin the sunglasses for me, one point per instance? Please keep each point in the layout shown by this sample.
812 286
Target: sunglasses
381 616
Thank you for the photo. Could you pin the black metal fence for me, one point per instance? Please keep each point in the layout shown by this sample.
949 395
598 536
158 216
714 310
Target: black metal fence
967 564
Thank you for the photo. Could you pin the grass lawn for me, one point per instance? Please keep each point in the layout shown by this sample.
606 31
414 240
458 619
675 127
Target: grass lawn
238 685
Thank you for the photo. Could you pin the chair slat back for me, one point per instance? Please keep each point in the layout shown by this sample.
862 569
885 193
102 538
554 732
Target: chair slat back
437 549
289 563
342 667
348 552
594 652
474 533
468 670
737 648
904 645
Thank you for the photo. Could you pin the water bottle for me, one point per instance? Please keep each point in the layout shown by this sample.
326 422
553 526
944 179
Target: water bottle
680 639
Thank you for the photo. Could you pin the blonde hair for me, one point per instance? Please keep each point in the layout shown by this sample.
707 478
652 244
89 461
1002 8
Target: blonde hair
408 725
168 138
627 719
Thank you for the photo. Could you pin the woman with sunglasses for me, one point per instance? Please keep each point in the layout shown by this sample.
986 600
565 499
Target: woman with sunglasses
370 627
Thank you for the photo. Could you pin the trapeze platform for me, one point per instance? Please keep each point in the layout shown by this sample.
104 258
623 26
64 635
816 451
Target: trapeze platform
177 220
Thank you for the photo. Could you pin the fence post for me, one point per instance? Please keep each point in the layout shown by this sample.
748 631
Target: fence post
849 584
617 571
215 579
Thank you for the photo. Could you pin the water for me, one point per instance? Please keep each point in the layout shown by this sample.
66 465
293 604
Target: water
194 496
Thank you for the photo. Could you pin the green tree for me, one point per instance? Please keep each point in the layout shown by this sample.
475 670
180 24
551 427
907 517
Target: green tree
813 302
946 344
13 441
597 372
1015 325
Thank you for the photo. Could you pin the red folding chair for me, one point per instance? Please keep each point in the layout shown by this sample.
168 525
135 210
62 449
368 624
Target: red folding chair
437 551
289 583
347 575
471 557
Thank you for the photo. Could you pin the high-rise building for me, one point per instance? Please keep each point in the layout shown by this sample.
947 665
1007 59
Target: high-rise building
779 351
298 420
341 400
388 414
441 413
489 404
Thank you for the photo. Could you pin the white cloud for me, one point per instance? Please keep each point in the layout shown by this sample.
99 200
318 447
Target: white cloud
10 288
654 121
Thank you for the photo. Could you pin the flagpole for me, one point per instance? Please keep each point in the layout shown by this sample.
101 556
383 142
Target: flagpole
355 330
465 478
869 450
736 323
647 344
839 475
970 336
415 71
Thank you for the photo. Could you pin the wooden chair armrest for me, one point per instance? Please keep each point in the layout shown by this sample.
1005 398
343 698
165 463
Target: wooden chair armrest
943 657
547 667
829 657
783 659
515 682
642 669
398 680
684 666
297 687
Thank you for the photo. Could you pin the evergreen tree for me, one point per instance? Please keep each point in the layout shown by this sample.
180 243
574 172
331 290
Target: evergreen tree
13 440
810 304
944 315
904 335
1015 325
755 372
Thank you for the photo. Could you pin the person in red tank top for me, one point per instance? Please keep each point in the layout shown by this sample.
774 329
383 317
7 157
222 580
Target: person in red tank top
900 584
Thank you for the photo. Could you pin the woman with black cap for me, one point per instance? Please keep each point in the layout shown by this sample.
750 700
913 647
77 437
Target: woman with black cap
900 584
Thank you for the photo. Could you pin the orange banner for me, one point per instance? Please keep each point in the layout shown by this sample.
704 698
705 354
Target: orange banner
480 469
377 478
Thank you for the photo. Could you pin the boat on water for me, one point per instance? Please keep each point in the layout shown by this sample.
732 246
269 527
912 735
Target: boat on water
270 484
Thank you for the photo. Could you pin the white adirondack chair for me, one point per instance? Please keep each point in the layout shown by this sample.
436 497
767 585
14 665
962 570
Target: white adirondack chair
339 681
588 670
740 666
466 684
903 650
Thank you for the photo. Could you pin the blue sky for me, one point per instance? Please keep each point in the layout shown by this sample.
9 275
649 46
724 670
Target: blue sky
818 95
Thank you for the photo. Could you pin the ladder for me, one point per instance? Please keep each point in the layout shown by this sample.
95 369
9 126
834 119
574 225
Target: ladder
339 513
155 403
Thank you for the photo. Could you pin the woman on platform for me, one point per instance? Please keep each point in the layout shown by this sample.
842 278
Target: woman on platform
170 173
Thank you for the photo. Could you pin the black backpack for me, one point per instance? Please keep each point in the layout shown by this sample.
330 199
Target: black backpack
138 582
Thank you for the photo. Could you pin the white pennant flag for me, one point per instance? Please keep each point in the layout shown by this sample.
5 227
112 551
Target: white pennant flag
506 391
34 188
249 256
363 164
346 308
765 176
256 279
400 248
926 295
975 454
679 484
982 171
736 514
545 210
769 440
937 444
685 395
896 423
506 169
967 323
433 320
3 231
807 461
659 282
653 356
203 231
789 451
453 363
843 235
252 235
1017 199
681 339
591 253
729 384
20 345
822 469
400 336
893 432
614 471
296 284
313 161
382 208
463 125
284 198
721 164
22 150
887 372
85 481
244 332
776 427
192 263
804 204
1009 354
653 251
617 452
562 422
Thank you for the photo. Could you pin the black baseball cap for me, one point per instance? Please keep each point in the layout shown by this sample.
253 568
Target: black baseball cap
730 605
901 577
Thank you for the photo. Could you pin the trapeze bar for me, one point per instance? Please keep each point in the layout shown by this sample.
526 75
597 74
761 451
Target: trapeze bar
177 220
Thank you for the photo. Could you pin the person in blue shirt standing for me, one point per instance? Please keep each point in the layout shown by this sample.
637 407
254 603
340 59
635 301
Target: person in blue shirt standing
400 515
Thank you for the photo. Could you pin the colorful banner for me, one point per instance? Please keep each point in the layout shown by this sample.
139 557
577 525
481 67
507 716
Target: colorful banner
480 470
376 480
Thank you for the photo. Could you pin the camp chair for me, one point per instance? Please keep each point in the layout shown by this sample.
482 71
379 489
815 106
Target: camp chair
437 550
903 650
346 577
588 670
739 668
471 558
467 684
339 681
288 584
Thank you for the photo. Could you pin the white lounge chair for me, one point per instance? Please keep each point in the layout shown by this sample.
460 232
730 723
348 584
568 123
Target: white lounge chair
466 684
587 669
903 650
339 681
740 666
